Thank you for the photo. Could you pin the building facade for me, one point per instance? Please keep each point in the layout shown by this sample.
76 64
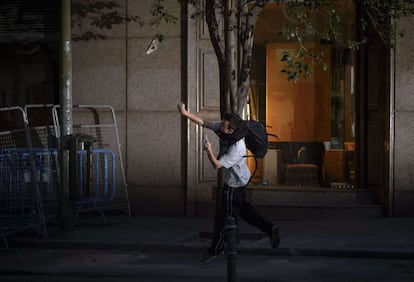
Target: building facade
167 172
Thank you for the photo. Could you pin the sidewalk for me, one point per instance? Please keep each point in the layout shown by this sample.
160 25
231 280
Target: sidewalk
380 238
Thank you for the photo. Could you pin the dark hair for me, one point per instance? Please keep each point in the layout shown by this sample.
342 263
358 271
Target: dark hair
235 121
238 125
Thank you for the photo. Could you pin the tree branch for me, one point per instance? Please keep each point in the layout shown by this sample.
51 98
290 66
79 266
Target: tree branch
247 25
213 28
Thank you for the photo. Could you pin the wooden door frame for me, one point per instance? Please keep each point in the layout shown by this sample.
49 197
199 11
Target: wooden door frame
364 116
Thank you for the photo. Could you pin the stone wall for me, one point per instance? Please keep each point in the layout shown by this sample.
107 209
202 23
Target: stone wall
404 122
144 91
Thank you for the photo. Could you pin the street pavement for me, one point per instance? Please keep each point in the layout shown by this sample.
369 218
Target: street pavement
375 238
46 265
157 249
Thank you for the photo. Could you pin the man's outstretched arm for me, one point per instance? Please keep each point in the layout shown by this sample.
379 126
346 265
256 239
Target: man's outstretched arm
190 116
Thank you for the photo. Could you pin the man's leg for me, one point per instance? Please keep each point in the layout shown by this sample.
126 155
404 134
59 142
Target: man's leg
217 243
249 214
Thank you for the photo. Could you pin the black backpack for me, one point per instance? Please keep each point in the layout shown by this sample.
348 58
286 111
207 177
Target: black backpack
255 135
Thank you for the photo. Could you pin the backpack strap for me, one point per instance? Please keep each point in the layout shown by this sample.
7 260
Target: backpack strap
255 168
254 171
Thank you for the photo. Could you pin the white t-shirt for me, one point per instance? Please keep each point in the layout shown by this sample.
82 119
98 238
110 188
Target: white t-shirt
236 173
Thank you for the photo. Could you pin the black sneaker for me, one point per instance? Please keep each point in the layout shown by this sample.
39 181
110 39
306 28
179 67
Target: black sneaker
274 237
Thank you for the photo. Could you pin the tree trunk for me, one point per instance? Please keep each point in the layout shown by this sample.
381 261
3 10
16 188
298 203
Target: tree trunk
230 46
235 55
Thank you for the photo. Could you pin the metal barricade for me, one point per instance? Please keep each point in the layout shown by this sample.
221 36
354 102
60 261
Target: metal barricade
96 181
21 205
45 148
98 122
47 175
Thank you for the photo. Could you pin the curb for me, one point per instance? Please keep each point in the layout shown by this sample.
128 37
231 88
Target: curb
187 248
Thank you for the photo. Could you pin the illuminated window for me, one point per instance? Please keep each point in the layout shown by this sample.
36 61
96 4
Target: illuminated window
314 117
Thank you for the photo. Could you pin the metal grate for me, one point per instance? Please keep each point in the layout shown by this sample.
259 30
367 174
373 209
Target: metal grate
107 174
21 205
45 150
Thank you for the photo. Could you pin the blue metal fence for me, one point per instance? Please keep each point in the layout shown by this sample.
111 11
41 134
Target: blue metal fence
30 172
100 187
21 205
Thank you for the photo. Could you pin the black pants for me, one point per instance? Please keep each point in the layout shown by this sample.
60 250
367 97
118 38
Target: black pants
233 203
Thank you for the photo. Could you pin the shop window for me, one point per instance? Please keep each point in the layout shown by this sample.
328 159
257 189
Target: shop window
314 117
